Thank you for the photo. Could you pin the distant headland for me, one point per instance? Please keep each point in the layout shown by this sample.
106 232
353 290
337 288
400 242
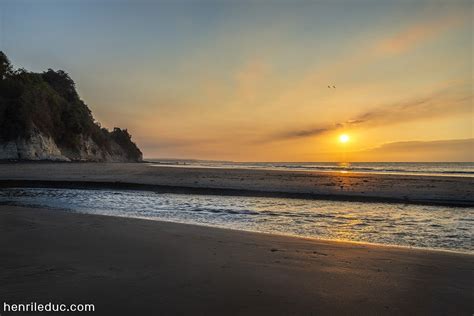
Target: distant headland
43 118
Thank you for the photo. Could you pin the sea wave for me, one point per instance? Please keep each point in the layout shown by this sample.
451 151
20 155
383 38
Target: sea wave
465 169
437 227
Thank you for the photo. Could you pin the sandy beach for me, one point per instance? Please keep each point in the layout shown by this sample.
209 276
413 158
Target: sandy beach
438 190
128 266
139 267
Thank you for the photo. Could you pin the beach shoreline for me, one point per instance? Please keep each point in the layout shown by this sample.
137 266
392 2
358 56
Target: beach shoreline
125 265
309 168
429 190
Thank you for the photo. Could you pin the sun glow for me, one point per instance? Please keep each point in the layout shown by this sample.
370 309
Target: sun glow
344 138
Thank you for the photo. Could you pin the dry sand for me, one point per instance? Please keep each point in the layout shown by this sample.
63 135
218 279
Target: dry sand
344 186
139 267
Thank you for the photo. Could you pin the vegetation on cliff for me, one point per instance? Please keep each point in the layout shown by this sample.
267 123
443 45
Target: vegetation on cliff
48 103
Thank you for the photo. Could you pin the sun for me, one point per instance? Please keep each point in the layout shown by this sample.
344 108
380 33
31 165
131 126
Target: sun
344 138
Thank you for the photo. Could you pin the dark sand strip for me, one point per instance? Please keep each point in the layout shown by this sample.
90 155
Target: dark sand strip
96 185
450 191
139 267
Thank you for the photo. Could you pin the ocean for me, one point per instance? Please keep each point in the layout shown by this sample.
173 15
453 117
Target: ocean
457 169
433 227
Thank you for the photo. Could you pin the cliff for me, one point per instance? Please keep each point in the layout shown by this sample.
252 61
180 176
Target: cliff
43 118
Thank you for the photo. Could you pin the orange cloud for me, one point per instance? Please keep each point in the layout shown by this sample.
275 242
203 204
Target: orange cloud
415 34
370 52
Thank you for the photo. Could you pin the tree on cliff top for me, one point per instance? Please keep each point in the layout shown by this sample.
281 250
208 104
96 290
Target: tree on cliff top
49 103
6 68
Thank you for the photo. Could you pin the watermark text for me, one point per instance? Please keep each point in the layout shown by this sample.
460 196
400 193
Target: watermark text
47 307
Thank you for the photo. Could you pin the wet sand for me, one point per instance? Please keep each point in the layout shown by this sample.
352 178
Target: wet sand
438 190
139 267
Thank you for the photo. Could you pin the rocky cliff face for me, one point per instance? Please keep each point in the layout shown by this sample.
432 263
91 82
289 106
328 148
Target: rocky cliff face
38 147
43 118
41 147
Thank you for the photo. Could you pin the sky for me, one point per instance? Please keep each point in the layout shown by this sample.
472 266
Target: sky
248 80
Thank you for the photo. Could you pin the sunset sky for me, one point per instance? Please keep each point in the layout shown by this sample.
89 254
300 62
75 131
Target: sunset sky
248 80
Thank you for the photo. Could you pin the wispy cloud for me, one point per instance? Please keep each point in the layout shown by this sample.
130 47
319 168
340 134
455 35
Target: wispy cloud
445 102
376 49
415 34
